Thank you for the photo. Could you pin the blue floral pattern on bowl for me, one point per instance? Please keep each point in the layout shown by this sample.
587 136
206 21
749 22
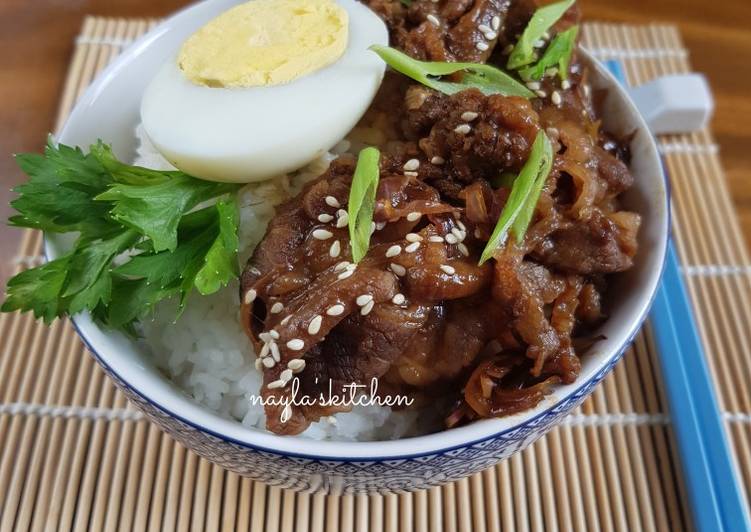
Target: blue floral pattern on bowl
383 474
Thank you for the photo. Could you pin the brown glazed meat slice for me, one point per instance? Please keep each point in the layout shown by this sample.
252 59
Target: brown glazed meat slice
456 37
497 138
360 349
588 246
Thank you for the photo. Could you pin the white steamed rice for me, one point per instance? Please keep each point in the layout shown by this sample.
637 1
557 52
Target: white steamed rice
206 352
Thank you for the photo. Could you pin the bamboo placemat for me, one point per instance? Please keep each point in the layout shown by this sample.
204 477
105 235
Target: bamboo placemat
74 454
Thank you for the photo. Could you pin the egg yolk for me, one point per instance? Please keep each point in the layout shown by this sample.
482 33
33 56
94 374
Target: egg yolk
265 42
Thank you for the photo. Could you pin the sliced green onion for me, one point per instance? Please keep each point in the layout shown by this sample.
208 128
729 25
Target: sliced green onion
542 20
406 3
558 53
525 192
361 204
542 164
487 79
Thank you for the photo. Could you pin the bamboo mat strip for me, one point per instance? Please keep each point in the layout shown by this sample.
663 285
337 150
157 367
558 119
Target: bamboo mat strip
74 454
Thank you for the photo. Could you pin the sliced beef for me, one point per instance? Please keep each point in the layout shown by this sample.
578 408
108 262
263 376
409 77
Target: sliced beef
418 311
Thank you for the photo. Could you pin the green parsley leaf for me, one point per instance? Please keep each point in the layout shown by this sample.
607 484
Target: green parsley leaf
119 211
542 20
129 174
38 290
487 79
155 210
59 195
220 263
205 258
525 192
361 203
558 53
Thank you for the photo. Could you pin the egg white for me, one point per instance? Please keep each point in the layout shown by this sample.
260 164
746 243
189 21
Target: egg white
252 134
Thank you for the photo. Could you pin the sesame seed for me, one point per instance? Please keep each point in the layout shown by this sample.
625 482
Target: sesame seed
277 307
367 308
462 129
468 116
491 35
341 266
533 85
380 225
463 249
295 344
335 249
482 46
398 269
412 247
509 48
411 174
315 324
448 269
393 251
413 237
412 165
250 296
352 266
413 216
286 375
433 20
565 84
265 337
325 218
322 234
331 201
276 384
268 362
363 300
546 35
461 225
495 22
258 364
551 72
556 97
458 233
336 310
478 233
265 350
399 299
274 334
275 354
483 28
286 320
435 238
437 160
296 365
451 238
343 218
345 274
539 43
541 93
372 227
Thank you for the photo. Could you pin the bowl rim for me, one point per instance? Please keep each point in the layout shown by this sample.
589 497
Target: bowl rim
201 418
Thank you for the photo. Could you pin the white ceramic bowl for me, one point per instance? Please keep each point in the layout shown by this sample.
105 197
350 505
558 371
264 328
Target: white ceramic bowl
109 110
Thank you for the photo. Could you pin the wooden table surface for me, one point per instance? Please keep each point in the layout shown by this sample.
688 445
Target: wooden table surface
36 41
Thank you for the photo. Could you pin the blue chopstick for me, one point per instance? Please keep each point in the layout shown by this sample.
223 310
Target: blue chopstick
715 496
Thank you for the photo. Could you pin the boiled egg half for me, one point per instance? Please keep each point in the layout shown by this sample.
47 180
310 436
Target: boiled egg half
265 88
